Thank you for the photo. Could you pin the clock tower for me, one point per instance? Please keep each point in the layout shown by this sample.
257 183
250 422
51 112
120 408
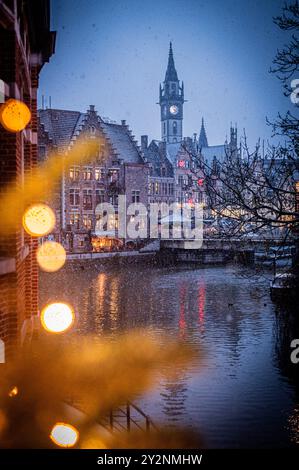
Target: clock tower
171 103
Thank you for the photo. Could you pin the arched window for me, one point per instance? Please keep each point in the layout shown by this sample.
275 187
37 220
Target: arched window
175 128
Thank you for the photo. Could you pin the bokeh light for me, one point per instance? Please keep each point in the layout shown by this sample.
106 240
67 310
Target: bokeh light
64 435
14 115
51 256
13 392
38 220
57 317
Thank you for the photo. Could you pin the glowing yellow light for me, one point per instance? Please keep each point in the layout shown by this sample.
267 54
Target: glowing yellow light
14 115
38 220
57 317
51 256
13 392
64 435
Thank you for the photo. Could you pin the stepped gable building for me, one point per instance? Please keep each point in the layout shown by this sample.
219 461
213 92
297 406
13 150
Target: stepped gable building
26 44
173 158
118 169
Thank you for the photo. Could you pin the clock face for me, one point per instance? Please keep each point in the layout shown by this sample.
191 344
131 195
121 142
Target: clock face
174 109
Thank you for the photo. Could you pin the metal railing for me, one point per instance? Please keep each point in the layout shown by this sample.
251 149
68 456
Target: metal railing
127 418
123 418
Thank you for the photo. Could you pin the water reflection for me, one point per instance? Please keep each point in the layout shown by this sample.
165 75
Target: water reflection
244 394
287 329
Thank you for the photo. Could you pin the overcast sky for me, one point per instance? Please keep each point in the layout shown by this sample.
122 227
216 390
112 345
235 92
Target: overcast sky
113 54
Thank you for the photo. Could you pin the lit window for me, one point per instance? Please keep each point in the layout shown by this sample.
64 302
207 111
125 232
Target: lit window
113 175
87 221
87 174
75 219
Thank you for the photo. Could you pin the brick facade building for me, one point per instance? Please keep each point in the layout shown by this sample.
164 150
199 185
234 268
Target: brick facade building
118 169
26 43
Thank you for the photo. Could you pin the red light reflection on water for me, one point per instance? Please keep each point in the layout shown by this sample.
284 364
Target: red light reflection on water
201 305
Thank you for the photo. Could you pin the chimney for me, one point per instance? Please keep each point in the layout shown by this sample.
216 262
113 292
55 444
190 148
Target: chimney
91 108
123 122
144 142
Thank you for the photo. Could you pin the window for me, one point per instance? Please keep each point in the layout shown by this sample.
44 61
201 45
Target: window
87 199
74 197
87 174
156 188
97 174
163 172
113 199
100 196
135 196
75 219
87 221
101 153
181 181
174 127
112 222
74 173
170 189
113 175
164 128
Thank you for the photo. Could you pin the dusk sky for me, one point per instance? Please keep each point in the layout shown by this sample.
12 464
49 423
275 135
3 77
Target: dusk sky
113 54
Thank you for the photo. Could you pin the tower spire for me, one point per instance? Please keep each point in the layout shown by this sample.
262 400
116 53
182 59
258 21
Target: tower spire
171 73
171 101
203 140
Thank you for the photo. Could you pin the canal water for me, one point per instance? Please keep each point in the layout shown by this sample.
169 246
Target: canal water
244 394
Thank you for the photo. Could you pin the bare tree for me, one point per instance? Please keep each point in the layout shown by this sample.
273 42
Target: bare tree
255 192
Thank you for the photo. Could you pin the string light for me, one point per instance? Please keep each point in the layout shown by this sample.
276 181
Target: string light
14 115
38 220
57 317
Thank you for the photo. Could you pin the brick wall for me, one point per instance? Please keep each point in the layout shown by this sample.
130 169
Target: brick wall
18 156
